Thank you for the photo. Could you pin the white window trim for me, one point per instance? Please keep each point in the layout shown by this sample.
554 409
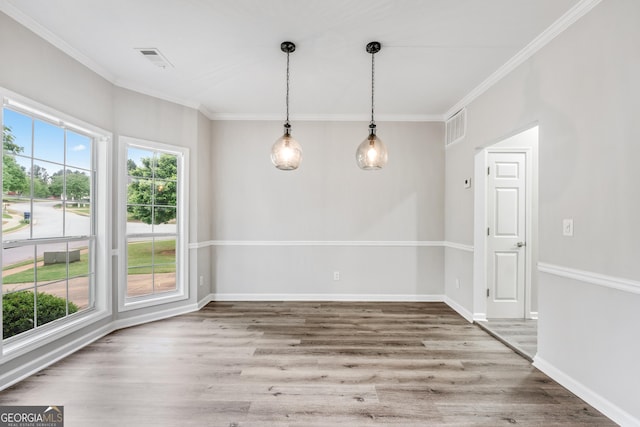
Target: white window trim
182 249
21 345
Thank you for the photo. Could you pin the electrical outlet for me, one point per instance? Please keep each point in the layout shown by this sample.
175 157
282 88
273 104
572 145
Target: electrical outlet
457 283
201 280
336 275
567 227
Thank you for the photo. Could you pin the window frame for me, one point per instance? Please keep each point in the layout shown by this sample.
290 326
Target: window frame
126 303
101 230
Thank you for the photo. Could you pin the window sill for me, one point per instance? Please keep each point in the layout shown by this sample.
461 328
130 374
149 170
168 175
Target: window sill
14 348
152 300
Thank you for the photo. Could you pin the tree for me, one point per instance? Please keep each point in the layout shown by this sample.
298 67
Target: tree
154 186
40 178
14 177
78 185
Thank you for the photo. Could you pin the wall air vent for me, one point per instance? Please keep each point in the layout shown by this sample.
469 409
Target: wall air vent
455 127
155 57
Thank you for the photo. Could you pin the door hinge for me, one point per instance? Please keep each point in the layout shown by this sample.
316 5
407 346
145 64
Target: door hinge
488 170
488 231
487 292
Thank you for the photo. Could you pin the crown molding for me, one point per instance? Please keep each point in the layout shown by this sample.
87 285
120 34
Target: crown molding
326 117
553 31
156 94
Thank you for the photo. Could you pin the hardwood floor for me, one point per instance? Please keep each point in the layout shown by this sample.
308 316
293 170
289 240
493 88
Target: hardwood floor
303 364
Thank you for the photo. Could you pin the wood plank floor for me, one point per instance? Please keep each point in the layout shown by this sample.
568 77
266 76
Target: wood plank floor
303 364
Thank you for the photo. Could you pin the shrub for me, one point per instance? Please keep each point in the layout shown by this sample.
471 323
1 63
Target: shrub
17 311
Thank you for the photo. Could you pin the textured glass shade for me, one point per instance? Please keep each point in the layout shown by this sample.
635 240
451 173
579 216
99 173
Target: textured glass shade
371 154
286 153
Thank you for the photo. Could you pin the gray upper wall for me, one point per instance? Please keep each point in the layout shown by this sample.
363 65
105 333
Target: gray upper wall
328 198
34 68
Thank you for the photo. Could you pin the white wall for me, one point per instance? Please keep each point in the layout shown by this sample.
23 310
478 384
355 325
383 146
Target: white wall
202 203
147 118
582 89
328 201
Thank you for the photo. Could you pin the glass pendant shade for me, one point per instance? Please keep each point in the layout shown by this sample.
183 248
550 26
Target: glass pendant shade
371 153
286 153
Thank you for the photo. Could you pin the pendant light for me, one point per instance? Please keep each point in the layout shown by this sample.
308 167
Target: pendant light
286 153
371 153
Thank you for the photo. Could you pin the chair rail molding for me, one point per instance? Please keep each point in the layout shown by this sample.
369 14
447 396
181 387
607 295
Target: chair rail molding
618 283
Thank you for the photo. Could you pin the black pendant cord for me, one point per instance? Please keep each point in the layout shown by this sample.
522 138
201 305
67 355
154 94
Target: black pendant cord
287 99
287 47
373 48
373 75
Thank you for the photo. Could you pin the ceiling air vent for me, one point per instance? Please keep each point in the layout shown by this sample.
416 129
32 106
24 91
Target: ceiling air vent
155 57
456 127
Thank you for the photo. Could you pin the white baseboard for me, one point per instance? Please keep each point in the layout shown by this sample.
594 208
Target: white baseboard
603 405
459 309
152 317
533 315
206 300
328 297
479 317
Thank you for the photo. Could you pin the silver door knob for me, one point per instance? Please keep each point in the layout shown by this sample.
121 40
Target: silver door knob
521 244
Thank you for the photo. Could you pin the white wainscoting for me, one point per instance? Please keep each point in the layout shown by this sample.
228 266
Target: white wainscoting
365 243
586 338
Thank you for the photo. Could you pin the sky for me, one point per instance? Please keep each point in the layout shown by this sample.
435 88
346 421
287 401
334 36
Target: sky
48 143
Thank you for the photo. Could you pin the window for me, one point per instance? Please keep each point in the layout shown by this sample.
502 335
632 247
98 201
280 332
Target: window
49 226
154 218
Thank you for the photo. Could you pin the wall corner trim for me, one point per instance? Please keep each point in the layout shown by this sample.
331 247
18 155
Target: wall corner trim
458 246
206 300
458 308
603 405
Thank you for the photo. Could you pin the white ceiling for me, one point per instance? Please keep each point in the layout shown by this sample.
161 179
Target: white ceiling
227 58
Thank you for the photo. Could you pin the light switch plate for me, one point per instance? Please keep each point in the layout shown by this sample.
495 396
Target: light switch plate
467 183
567 227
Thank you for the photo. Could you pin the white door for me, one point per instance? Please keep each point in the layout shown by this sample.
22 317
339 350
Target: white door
506 239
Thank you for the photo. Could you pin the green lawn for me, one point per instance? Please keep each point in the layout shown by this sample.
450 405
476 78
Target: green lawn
140 257
50 273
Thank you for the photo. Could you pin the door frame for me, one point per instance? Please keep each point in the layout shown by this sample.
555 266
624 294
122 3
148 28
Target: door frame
509 144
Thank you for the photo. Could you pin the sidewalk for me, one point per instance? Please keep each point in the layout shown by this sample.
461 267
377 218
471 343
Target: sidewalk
13 224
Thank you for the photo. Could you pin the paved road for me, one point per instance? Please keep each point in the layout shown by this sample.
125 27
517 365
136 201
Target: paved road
47 221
